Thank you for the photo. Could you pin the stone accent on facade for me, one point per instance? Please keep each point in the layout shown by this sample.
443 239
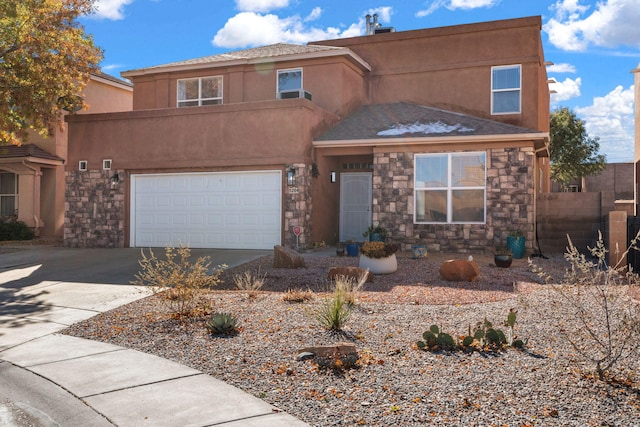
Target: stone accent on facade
94 212
510 203
297 207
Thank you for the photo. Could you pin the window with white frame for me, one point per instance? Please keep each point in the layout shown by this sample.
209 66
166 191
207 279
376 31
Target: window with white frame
200 91
289 80
506 89
8 193
450 188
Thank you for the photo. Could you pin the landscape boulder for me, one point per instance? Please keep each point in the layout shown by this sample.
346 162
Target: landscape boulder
287 258
350 272
459 270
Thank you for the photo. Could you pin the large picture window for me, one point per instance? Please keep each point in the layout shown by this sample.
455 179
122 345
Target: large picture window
8 193
200 91
450 188
505 89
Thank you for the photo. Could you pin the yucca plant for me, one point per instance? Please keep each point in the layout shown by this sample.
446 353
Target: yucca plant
222 324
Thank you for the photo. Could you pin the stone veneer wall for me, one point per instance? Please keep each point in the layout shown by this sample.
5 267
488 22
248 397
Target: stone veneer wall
510 197
297 207
94 213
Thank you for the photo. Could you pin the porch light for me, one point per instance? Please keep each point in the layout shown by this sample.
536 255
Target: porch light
332 177
291 177
115 179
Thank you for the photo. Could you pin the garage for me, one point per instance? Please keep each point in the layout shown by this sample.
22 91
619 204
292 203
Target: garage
227 210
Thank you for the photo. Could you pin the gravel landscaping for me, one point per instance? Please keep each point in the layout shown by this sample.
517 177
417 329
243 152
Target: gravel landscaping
395 384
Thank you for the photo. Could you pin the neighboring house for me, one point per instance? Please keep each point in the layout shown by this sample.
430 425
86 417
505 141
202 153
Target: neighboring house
616 178
32 176
440 135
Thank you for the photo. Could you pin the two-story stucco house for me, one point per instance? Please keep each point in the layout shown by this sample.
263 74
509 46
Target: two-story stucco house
32 175
440 135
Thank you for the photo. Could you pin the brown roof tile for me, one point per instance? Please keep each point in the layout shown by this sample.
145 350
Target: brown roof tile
405 120
26 150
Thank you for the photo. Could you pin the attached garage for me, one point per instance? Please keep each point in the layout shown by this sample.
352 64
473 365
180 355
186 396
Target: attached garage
228 210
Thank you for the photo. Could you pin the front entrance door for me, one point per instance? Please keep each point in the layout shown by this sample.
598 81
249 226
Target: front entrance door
355 204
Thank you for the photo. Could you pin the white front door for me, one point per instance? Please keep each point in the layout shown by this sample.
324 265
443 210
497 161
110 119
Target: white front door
355 204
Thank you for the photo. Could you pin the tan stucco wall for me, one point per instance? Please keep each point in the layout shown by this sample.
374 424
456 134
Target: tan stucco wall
450 67
101 96
335 84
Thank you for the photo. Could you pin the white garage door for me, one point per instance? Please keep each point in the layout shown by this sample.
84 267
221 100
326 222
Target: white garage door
231 210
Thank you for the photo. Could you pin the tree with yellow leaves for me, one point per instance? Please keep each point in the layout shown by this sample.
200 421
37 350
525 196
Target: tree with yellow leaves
45 62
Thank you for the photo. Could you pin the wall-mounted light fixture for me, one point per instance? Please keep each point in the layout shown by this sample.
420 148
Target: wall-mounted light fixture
291 177
332 177
115 179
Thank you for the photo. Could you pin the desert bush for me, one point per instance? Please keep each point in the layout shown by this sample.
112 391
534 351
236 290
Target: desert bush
297 296
179 280
250 282
222 324
351 287
594 295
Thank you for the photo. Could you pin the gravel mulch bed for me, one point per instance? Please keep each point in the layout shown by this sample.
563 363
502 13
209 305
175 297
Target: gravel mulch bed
396 384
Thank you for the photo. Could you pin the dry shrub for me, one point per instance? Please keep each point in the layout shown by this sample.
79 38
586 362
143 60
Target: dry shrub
178 279
250 282
594 294
334 311
297 296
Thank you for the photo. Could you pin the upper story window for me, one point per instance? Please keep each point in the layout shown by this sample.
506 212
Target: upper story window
450 188
200 91
289 82
505 89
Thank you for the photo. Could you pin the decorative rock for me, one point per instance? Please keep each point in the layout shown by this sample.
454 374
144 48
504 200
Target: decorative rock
459 270
330 351
286 258
305 355
350 272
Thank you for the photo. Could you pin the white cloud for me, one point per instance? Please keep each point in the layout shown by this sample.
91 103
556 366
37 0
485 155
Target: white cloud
610 118
260 5
565 90
456 4
248 29
315 14
561 68
612 23
110 9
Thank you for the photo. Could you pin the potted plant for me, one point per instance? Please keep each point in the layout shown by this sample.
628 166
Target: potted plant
352 248
376 233
339 249
515 243
379 257
503 257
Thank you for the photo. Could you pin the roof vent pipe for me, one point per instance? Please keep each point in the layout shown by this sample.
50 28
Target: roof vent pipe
372 24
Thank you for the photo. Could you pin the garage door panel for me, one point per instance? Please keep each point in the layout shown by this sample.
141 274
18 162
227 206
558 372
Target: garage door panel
238 210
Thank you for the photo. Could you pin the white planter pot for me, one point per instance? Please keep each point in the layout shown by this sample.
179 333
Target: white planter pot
379 265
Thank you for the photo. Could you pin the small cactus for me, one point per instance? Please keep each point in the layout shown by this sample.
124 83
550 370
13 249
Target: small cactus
222 324
435 340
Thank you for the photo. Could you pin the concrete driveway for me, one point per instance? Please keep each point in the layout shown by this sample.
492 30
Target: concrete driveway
47 379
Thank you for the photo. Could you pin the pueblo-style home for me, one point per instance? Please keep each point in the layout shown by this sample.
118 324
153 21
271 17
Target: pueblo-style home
439 135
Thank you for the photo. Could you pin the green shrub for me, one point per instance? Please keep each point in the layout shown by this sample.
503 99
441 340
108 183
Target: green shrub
222 324
15 230
179 281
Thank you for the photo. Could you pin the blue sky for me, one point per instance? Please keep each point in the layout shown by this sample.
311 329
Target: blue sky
594 44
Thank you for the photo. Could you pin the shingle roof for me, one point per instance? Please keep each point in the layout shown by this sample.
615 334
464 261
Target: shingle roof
405 120
273 51
26 150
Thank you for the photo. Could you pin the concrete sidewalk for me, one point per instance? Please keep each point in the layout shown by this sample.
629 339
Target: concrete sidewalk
48 379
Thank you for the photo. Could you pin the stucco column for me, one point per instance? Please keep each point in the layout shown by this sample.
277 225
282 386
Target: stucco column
617 243
29 198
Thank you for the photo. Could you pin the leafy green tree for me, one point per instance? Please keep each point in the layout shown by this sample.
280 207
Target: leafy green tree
45 61
574 154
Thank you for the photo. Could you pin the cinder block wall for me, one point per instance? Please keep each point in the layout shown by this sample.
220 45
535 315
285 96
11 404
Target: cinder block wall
579 215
